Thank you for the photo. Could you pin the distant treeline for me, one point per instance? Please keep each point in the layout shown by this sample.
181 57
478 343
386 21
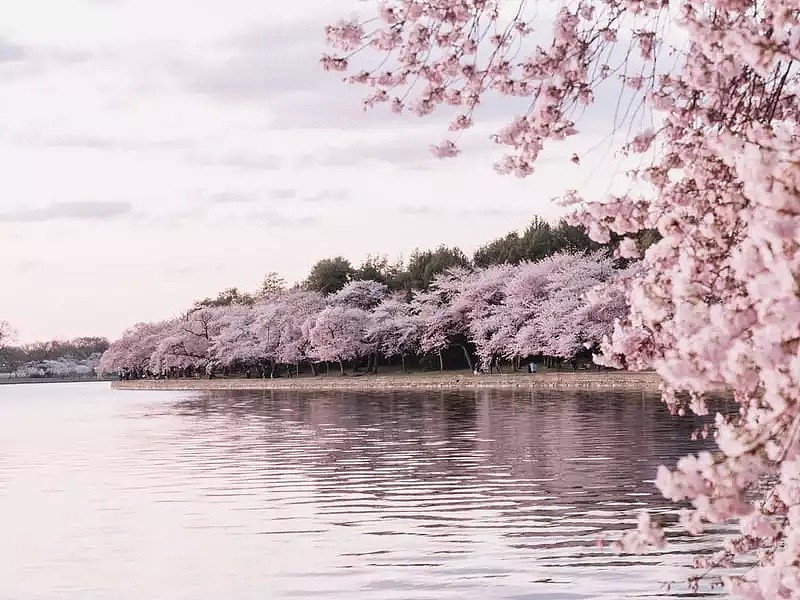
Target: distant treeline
537 241
54 357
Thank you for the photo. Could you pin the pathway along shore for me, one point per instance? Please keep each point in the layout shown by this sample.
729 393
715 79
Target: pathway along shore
598 380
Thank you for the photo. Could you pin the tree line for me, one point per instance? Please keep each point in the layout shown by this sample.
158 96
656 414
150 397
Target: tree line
538 240
492 316
53 357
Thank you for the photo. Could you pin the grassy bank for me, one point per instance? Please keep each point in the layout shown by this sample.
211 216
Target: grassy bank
397 381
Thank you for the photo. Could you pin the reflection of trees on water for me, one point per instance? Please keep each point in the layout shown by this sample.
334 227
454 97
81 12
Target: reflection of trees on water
584 447
484 483
612 441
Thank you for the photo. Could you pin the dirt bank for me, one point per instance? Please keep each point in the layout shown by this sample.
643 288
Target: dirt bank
599 380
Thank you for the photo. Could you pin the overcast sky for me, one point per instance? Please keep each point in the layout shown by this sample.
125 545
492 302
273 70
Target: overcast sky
157 151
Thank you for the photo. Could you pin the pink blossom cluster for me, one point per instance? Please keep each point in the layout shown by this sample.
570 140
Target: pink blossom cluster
512 312
451 53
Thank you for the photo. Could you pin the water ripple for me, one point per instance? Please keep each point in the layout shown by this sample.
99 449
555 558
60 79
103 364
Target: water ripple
283 495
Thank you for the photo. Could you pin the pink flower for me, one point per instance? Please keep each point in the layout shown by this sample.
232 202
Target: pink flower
627 248
446 149
642 142
461 122
333 63
345 35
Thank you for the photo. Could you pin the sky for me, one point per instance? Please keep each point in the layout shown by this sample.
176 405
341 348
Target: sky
154 152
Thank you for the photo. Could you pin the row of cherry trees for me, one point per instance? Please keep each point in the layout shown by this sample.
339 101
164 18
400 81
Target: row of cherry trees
63 366
502 312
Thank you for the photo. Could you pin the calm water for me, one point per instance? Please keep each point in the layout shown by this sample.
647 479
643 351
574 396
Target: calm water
108 494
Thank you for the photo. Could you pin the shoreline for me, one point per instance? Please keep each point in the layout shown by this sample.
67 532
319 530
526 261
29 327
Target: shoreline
458 380
43 380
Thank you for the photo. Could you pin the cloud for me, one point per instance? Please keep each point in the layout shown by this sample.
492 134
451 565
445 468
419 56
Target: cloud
285 194
21 61
468 213
169 218
189 270
12 52
232 198
274 220
332 104
245 161
325 196
102 142
240 208
277 68
328 196
407 151
63 211
255 64
24 267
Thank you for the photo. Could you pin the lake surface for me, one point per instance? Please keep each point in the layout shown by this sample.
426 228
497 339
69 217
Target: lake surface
112 494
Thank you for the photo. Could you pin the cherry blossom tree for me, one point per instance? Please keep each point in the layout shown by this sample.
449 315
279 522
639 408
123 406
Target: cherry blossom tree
237 341
440 325
538 308
717 302
268 323
294 344
607 304
524 292
479 303
134 350
394 330
338 334
562 325
189 343
364 295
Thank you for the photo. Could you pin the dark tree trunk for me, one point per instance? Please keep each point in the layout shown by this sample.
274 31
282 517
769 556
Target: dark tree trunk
375 363
313 369
403 363
441 362
341 368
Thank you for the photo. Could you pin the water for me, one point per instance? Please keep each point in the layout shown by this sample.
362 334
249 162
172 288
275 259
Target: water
111 494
